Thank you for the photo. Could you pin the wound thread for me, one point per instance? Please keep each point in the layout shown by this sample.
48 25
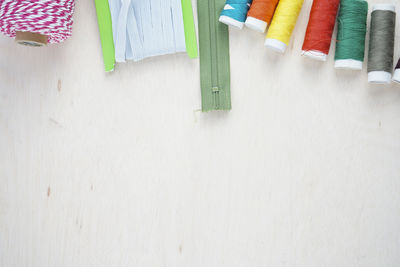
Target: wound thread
235 12
381 45
52 18
283 24
320 27
260 14
350 39
396 74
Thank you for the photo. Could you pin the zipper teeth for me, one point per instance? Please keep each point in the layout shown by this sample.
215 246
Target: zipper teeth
214 53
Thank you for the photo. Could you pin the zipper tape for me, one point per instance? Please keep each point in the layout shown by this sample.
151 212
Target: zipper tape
214 57
106 33
190 32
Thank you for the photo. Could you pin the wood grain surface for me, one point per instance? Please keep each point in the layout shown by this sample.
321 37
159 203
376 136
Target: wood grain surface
122 169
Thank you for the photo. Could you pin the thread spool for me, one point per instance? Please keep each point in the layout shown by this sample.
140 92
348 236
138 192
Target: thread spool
260 14
350 39
36 23
396 74
283 24
320 27
235 13
31 39
381 45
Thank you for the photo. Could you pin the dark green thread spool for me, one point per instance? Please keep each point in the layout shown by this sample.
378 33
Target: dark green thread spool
352 28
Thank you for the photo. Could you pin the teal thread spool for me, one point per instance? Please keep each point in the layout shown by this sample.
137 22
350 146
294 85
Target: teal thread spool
352 28
235 12
381 44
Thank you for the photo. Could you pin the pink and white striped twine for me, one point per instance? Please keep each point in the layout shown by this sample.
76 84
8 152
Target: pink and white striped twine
48 17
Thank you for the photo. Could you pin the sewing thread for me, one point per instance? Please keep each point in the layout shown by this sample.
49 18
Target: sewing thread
381 44
283 24
260 14
350 39
51 18
396 74
320 27
235 12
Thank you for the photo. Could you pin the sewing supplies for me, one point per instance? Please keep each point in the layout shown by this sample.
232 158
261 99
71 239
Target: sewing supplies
214 57
260 14
320 27
106 33
234 13
381 43
144 29
396 74
190 30
36 23
350 39
282 24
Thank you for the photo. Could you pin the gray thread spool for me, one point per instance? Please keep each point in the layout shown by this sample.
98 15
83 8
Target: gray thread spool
381 44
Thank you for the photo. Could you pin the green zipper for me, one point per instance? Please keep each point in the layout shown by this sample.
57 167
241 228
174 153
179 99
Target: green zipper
214 57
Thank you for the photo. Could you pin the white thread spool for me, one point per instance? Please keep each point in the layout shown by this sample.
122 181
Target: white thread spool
381 77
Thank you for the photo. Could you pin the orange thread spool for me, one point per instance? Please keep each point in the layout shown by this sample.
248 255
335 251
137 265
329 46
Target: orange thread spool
320 27
260 14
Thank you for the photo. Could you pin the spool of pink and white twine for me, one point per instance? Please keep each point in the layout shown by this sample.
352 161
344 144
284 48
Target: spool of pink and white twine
37 22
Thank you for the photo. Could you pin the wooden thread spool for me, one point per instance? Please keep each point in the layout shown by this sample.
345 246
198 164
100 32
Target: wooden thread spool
31 39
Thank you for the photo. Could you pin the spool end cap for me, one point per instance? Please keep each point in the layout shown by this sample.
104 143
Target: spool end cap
396 76
379 77
256 24
315 55
31 39
384 7
275 45
348 64
231 22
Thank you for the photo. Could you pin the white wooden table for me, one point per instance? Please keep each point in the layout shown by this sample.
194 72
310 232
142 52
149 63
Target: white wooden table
122 169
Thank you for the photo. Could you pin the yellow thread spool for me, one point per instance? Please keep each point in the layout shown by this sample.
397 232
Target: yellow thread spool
282 24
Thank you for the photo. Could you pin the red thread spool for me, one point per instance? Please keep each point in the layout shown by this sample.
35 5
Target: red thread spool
260 14
320 27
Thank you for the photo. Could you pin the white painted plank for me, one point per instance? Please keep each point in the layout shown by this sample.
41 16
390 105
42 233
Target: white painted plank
121 170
